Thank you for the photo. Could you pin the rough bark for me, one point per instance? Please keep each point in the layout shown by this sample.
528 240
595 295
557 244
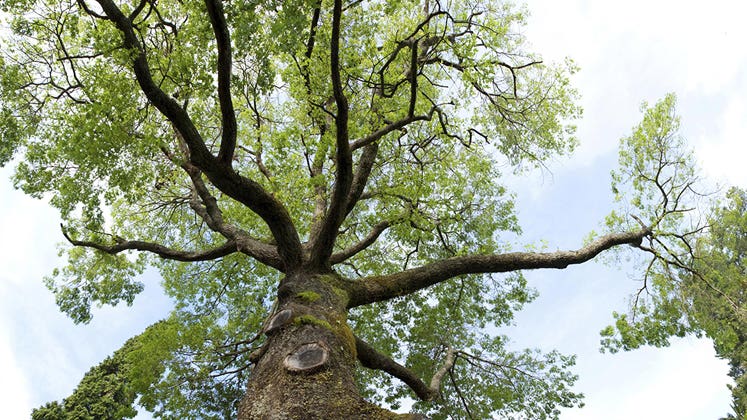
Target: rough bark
380 288
328 391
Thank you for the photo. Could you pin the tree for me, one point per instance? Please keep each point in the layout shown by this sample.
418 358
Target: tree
318 185
103 393
708 297
719 304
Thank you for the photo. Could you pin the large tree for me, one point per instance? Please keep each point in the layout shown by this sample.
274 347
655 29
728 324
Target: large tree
319 185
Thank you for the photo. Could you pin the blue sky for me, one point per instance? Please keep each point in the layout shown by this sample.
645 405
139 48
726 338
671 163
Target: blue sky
628 52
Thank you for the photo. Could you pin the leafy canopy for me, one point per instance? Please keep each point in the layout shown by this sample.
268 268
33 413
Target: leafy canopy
229 143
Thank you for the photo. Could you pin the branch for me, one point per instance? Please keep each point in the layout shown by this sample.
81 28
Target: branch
158 249
205 205
446 367
163 102
397 125
223 41
322 246
373 359
380 288
139 8
413 79
310 46
471 358
362 173
461 396
372 236
84 6
242 189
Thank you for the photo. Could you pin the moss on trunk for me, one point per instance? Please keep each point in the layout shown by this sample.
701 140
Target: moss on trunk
324 392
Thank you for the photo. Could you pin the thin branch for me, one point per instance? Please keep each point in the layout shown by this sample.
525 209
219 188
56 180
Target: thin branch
162 251
461 397
362 173
413 73
397 125
90 12
139 8
204 204
467 356
310 46
676 261
369 240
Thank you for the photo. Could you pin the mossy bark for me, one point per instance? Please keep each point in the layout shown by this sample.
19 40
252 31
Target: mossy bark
322 392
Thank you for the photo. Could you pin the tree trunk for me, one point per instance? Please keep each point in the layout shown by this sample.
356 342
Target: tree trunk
306 368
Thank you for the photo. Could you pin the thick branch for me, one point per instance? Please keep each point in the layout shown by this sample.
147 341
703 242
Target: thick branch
223 177
438 377
373 359
379 288
163 102
208 210
158 249
223 41
322 246
204 204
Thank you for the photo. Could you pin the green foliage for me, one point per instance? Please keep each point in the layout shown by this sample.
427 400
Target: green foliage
50 411
186 368
94 277
718 304
496 382
696 281
90 142
524 384
657 184
195 364
105 392
657 175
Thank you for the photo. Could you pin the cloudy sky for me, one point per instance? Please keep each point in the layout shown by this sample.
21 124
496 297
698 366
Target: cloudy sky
628 52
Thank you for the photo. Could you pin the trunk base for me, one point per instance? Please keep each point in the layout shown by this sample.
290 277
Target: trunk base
322 407
306 370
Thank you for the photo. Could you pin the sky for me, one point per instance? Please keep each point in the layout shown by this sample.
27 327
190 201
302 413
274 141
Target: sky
628 52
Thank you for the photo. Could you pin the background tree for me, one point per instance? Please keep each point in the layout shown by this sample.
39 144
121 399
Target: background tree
105 392
706 298
317 182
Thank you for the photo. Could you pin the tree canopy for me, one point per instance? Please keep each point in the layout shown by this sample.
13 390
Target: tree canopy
242 147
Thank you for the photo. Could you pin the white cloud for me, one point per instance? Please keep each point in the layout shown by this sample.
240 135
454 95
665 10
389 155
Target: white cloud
30 230
15 396
639 50
722 155
684 381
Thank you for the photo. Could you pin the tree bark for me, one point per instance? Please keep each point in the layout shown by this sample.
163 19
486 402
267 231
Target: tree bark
306 370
